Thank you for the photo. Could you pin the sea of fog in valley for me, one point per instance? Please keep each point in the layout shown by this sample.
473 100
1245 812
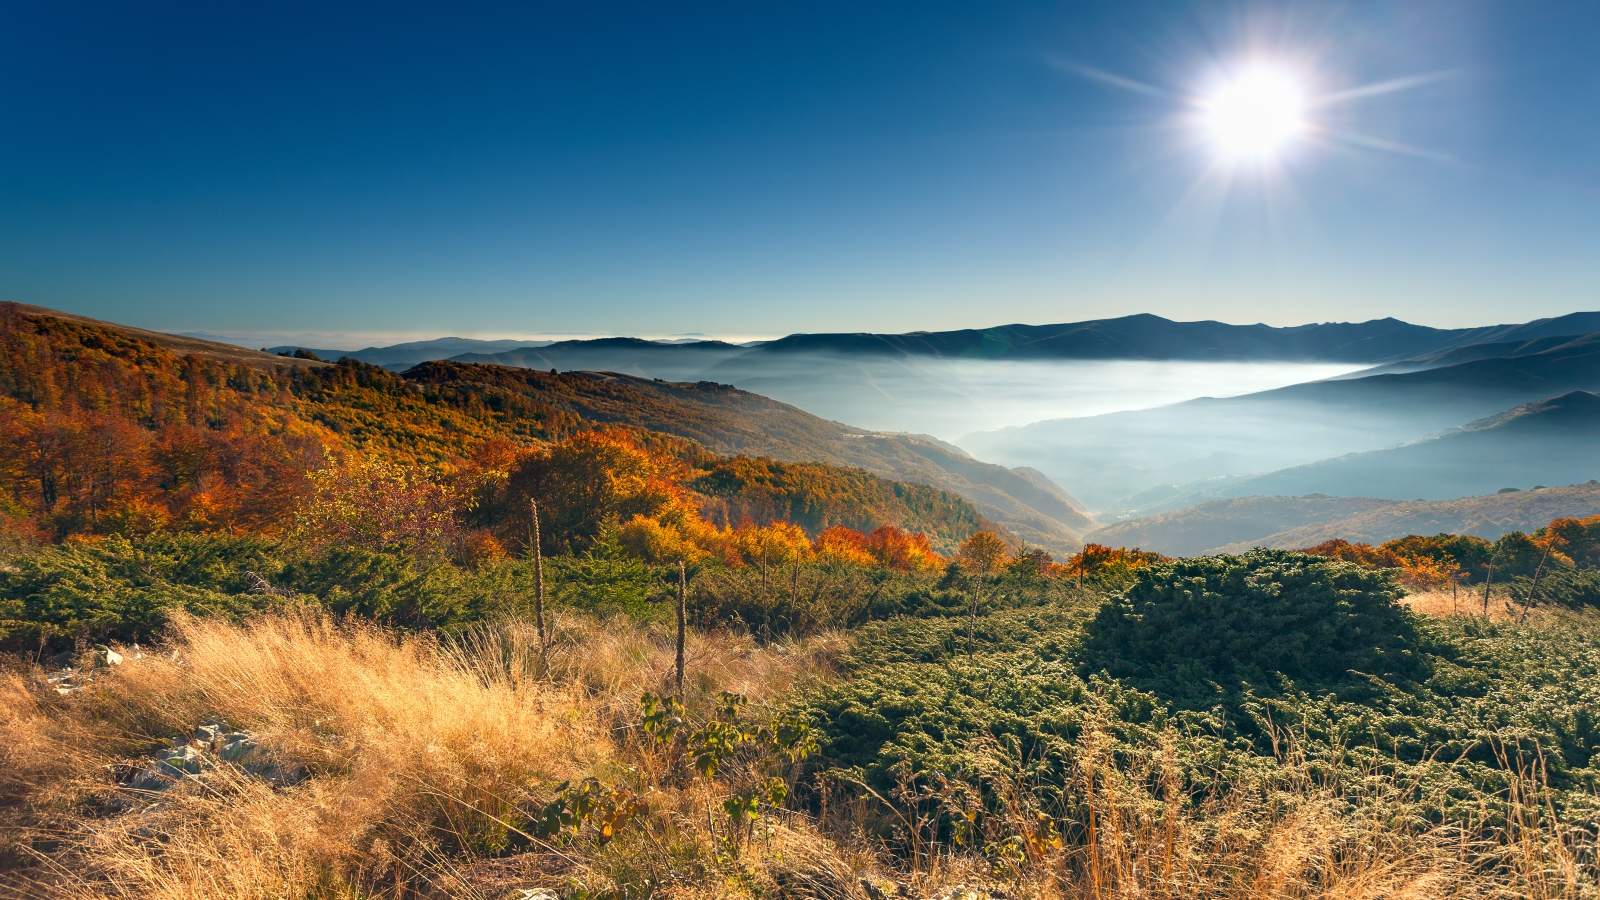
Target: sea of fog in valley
950 399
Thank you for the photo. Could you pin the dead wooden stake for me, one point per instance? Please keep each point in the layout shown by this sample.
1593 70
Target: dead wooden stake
538 574
683 614
1527 602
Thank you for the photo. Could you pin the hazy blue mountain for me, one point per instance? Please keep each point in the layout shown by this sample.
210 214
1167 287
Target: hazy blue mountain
1487 516
408 354
1502 341
670 361
1197 529
1142 336
1146 336
1108 460
1550 441
1136 337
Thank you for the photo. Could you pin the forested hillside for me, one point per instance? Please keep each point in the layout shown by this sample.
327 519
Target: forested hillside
434 413
109 429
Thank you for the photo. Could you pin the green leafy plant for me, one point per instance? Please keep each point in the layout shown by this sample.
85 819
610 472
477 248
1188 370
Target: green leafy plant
587 806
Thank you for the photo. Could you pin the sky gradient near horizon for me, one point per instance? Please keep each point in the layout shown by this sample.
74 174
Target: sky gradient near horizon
751 170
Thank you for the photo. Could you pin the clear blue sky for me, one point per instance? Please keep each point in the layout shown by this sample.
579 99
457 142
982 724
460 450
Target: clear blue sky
744 169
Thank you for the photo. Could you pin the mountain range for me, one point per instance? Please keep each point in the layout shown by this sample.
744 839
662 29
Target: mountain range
1555 440
1141 336
408 354
1173 455
1423 414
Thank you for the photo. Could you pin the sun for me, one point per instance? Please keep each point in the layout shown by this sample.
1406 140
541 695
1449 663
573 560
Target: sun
1254 113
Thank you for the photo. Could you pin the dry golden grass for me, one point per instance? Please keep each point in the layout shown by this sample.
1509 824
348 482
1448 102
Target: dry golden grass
1136 837
424 756
1465 602
417 752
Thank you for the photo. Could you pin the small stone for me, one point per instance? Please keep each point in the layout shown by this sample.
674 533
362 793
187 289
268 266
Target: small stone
183 761
237 747
113 658
149 780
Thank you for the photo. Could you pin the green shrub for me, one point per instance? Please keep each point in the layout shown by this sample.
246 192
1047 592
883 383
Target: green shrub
1572 588
606 581
796 598
1250 619
399 588
123 589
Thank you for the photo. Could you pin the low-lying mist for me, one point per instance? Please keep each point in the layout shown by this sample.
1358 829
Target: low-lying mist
950 399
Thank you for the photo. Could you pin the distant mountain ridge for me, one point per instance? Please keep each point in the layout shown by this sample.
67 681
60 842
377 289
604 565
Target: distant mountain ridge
1202 528
1151 337
1488 516
1140 336
1291 523
409 353
1555 440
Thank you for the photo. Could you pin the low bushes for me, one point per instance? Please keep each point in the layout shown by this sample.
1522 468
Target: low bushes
1571 588
1467 721
126 589
1252 618
121 589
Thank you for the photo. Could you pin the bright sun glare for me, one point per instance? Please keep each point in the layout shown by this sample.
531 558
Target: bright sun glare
1254 114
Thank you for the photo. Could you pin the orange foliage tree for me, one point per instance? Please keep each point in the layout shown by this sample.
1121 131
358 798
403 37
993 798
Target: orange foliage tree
896 548
984 553
844 545
1109 564
583 483
774 545
363 501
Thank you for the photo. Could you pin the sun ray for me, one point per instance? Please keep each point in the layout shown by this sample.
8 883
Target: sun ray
1111 79
1379 89
1371 142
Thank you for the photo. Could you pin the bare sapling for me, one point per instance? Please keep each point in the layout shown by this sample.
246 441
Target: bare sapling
1527 602
682 616
535 548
